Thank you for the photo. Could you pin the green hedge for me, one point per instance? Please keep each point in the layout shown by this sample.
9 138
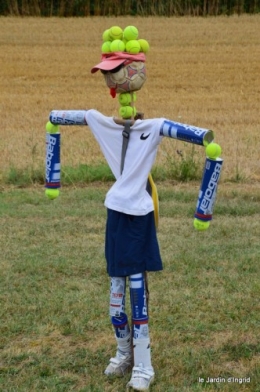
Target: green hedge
127 7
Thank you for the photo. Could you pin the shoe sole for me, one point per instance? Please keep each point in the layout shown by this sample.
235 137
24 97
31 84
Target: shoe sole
130 388
118 374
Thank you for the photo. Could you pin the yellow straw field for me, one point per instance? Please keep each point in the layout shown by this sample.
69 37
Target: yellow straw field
201 71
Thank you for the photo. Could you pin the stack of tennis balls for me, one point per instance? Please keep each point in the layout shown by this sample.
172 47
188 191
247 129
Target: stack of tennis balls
117 40
127 109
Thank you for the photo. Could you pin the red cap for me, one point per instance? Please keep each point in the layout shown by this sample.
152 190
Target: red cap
110 61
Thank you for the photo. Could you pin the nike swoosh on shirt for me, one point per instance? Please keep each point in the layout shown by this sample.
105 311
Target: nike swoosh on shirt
144 137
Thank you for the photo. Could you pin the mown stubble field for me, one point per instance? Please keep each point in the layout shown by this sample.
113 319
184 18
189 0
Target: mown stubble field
201 71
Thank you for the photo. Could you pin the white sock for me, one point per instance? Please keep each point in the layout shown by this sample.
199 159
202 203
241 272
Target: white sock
142 352
124 345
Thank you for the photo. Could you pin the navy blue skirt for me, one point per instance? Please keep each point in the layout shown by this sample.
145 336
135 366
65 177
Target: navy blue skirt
131 244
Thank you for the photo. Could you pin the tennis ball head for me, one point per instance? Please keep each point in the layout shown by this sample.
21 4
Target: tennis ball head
117 46
213 150
115 32
130 33
144 45
52 193
51 128
133 46
105 48
106 35
201 225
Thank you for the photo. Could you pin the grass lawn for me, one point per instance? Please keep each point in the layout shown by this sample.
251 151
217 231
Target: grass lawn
200 71
55 332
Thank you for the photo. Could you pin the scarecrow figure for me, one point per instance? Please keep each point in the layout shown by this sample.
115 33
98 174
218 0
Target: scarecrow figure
129 144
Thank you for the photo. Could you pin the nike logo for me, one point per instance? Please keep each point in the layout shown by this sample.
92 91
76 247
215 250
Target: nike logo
144 137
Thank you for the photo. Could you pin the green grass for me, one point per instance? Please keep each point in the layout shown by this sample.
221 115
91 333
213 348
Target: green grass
182 166
55 333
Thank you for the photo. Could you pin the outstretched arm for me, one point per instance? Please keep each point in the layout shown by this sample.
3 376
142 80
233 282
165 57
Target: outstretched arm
187 133
68 117
52 161
208 188
212 168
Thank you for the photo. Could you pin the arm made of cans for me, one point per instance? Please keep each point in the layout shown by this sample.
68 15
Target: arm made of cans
207 193
212 167
172 129
52 162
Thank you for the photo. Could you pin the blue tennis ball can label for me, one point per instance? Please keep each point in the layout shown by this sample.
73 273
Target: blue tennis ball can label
68 117
186 133
139 305
52 174
208 189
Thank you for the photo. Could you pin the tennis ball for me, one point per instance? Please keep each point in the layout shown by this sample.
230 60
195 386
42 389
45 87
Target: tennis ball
130 33
51 128
127 111
52 193
105 48
133 46
144 45
106 35
200 224
117 46
126 98
213 150
115 32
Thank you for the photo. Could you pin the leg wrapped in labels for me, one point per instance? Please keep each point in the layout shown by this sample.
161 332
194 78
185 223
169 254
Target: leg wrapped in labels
119 364
143 372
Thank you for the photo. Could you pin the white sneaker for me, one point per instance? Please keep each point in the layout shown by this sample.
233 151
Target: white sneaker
119 365
141 378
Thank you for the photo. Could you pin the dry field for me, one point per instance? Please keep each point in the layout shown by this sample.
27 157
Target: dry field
201 71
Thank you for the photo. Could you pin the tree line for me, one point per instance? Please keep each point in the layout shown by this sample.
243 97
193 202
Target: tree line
166 8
